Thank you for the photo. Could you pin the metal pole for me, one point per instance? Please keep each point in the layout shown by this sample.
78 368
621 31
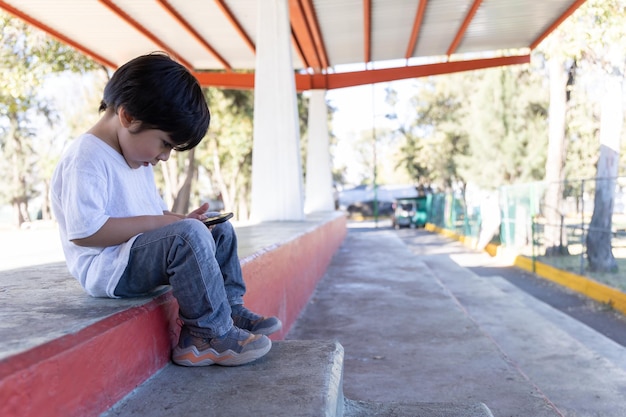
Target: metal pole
582 226
533 238
375 203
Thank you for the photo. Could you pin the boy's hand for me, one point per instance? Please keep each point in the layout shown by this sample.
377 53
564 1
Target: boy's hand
199 212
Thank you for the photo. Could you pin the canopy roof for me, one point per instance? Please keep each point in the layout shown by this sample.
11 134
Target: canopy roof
336 43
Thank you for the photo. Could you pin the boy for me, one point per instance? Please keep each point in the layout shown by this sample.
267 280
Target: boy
118 238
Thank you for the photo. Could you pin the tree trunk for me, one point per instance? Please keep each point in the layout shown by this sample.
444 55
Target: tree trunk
599 251
183 195
554 232
178 184
169 169
46 212
20 210
243 209
227 196
18 195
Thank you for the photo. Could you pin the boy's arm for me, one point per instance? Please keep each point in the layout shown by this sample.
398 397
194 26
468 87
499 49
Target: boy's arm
118 230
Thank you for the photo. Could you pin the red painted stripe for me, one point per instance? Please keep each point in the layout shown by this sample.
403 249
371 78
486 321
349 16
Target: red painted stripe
85 373
280 282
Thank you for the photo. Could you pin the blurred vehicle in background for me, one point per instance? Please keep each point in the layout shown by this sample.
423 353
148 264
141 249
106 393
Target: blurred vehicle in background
368 201
410 212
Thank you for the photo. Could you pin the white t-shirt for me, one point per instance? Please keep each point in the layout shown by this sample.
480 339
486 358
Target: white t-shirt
92 183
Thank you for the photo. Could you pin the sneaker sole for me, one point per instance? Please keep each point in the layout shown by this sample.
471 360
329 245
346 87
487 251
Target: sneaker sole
192 357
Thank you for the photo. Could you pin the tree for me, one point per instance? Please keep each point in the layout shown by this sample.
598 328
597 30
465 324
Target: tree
505 125
462 120
560 77
178 175
583 124
599 250
599 49
27 57
430 141
227 151
606 51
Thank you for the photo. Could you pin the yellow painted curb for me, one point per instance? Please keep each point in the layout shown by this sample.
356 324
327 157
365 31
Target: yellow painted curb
492 249
583 285
469 241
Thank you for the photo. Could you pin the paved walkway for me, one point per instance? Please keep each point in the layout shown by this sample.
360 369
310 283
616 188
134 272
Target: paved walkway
418 326
29 247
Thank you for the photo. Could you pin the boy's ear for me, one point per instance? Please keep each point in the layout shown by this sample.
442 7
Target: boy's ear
125 119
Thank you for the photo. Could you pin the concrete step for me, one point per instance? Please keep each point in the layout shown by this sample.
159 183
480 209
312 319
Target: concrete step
580 371
296 379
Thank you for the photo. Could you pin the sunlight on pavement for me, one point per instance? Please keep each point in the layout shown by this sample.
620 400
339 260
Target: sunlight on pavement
36 245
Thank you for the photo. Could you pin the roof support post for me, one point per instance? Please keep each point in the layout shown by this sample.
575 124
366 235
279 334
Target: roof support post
319 181
276 168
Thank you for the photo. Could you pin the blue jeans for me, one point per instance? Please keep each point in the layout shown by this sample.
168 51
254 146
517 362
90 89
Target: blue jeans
202 267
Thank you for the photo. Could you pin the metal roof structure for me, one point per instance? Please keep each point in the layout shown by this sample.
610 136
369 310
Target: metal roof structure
336 43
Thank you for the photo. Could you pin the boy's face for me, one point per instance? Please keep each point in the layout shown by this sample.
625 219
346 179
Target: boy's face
147 147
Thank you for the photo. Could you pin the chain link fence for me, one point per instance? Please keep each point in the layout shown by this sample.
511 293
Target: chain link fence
548 222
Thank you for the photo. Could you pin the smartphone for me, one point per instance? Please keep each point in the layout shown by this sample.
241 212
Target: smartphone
221 218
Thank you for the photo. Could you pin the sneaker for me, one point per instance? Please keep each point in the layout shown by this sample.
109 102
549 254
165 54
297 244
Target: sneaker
254 323
237 347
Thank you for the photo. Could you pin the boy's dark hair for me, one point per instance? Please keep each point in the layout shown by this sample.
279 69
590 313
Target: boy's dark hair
161 94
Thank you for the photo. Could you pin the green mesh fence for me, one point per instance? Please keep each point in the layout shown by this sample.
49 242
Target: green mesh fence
553 233
449 211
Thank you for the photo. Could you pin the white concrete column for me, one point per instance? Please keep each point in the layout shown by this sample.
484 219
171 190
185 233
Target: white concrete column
276 167
319 179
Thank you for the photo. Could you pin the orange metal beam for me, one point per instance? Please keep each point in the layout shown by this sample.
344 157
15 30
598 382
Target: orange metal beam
352 79
33 22
311 17
233 21
305 82
463 28
367 30
302 35
231 80
124 16
557 22
417 25
184 23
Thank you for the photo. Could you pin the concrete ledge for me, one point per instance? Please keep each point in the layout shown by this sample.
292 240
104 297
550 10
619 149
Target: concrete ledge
281 278
67 354
296 378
